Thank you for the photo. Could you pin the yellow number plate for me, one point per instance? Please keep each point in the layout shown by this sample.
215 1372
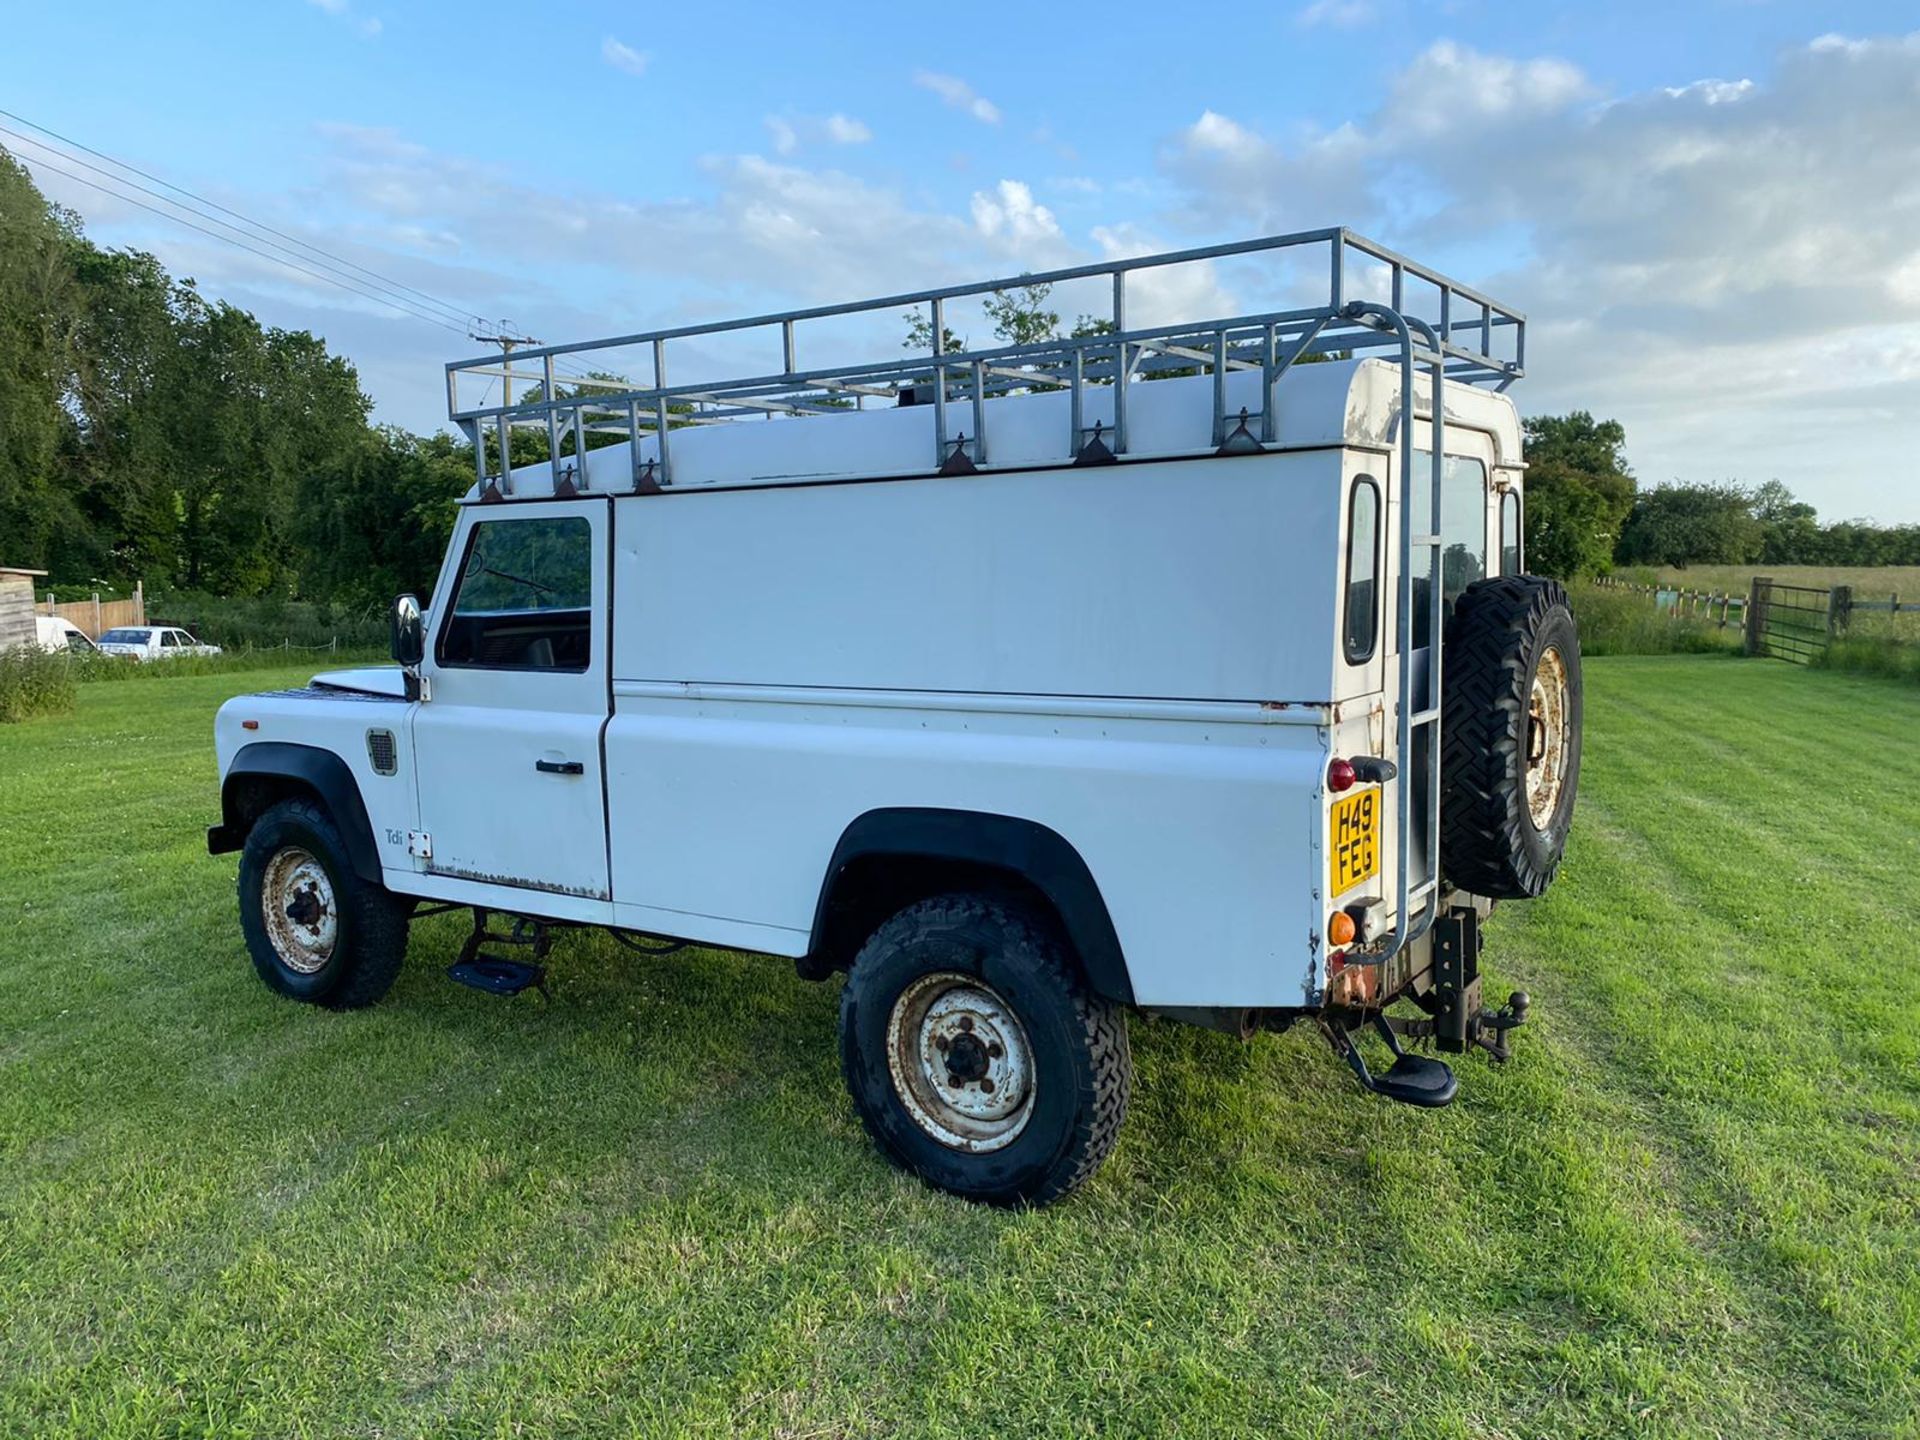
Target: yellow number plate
1353 839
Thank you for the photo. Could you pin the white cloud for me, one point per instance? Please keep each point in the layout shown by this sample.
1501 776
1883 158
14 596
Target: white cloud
622 56
960 95
789 132
1451 88
845 130
342 10
1340 14
1704 260
1010 212
1165 295
1714 92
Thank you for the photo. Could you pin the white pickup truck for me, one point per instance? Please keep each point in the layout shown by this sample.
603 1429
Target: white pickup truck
1151 669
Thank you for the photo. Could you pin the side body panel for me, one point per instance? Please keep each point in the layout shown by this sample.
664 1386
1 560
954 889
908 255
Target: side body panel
1137 657
1199 829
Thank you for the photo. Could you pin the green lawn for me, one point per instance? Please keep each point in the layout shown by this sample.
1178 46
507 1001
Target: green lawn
1691 1206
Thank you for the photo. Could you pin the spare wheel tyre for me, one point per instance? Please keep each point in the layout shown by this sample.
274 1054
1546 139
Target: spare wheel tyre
1510 747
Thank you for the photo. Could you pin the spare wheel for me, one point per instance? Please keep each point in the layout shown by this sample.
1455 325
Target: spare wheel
1510 757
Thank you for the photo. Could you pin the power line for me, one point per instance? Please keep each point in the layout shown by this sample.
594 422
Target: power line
377 288
285 257
384 281
271 258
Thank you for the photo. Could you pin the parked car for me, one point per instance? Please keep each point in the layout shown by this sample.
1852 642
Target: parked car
1095 675
62 636
152 642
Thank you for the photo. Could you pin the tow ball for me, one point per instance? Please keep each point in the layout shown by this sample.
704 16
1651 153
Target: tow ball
1490 1027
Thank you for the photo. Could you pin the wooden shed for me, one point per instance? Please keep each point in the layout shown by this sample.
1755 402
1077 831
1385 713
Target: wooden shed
16 605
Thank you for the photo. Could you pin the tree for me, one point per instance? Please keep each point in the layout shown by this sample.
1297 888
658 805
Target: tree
36 318
1579 492
1020 316
1790 532
374 520
1687 524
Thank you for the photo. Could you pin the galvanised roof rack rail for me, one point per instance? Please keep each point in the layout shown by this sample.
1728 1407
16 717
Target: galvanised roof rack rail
1477 339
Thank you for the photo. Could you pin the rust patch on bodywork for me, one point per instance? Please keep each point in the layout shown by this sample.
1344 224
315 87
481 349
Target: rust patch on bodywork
454 872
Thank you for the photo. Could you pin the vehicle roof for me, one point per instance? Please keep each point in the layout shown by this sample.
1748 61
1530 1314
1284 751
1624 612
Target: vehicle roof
1338 402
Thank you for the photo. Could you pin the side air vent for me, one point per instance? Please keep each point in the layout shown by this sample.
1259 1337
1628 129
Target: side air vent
381 751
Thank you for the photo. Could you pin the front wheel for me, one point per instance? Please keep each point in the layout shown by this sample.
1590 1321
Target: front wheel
978 1057
316 930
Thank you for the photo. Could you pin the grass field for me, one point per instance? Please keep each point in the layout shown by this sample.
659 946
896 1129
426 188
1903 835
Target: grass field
1691 1206
1869 582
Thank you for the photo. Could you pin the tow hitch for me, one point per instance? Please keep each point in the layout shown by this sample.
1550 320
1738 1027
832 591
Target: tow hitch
1458 1020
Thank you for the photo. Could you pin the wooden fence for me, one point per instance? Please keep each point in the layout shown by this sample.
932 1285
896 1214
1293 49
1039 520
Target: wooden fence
1788 622
97 616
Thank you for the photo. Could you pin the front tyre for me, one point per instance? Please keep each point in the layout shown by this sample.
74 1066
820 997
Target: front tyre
316 931
976 1054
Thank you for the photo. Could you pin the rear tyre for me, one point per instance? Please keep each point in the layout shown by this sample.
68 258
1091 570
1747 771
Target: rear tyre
976 1054
1511 758
316 931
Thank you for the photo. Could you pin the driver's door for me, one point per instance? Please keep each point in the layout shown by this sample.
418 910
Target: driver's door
507 741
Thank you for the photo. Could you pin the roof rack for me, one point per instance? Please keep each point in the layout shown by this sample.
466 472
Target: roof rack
1475 340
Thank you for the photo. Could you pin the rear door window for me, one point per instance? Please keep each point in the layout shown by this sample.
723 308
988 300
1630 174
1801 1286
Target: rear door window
1463 532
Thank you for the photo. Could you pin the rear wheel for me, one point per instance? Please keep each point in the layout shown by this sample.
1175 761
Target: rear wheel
316 930
976 1054
1511 762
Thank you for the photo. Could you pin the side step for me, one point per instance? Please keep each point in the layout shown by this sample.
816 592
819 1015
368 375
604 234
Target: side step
1411 1079
501 974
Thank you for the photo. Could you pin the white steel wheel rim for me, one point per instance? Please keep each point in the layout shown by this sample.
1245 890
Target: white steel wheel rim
1547 737
961 1062
296 901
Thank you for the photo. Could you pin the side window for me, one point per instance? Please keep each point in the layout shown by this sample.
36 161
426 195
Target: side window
167 639
1510 533
524 598
1363 571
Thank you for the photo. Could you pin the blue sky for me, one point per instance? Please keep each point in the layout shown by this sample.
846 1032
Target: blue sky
1711 211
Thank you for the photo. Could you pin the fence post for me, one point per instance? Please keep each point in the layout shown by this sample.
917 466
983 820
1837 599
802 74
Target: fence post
1839 611
139 602
1753 623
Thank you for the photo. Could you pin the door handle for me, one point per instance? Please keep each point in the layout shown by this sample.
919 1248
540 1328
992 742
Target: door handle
559 767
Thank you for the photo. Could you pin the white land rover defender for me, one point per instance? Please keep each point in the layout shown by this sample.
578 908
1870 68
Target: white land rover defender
1025 686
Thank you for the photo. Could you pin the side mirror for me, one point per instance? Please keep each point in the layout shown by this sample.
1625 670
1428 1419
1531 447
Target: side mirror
407 633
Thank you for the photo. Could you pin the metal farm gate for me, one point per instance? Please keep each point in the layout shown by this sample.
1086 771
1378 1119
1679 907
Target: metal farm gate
1795 622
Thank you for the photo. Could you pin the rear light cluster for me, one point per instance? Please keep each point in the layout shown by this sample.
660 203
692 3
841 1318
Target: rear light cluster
1341 776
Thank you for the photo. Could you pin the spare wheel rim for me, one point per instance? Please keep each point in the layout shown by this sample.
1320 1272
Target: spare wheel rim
1548 741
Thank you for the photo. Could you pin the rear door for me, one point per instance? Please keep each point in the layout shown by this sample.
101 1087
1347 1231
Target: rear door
1465 552
507 745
